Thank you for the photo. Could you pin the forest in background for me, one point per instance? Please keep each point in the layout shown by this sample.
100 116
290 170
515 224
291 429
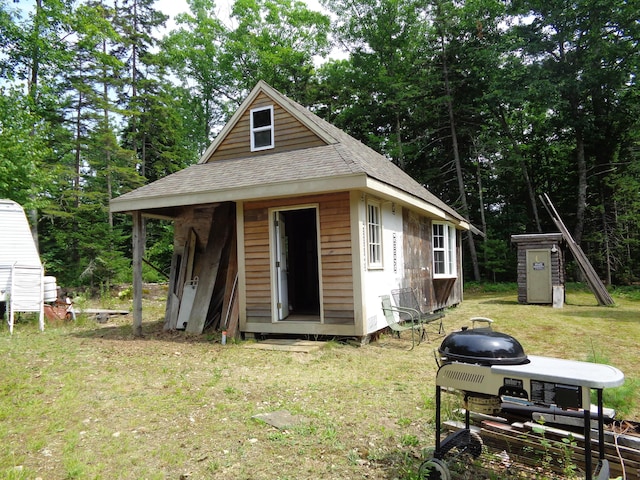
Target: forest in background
487 103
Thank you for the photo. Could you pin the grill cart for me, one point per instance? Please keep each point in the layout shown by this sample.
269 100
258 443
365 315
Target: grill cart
487 366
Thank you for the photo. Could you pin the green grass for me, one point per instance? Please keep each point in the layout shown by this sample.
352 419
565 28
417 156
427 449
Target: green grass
89 401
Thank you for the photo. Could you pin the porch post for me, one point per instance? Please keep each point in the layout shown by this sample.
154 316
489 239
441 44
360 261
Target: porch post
138 252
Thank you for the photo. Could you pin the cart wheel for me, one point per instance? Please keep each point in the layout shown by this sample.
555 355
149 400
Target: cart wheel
474 447
433 469
462 442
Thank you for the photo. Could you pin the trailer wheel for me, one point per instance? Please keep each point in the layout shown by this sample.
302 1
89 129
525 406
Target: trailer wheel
434 469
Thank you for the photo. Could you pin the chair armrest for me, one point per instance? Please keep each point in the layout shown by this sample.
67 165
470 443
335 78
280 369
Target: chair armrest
412 312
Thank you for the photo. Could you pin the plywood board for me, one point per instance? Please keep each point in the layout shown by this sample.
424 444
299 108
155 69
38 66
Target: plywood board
186 304
208 265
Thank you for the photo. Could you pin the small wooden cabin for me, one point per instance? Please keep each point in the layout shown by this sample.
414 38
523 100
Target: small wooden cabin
296 228
541 276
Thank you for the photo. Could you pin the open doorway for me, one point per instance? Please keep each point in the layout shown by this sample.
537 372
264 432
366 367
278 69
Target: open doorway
298 288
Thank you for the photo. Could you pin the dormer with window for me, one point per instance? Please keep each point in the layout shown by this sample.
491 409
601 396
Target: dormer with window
262 128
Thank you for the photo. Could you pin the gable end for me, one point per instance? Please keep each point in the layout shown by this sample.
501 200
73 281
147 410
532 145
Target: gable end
288 133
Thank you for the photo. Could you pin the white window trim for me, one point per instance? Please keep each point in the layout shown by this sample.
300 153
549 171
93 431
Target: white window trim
269 128
450 250
374 236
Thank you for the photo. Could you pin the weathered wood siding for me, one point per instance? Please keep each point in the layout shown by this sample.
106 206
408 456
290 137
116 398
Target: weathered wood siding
335 257
434 294
289 134
196 218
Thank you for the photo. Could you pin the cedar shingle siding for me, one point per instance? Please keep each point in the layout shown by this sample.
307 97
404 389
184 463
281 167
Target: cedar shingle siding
290 134
335 256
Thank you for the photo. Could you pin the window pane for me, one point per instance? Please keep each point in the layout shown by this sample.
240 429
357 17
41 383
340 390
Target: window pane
262 118
451 247
262 139
438 236
439 262
374 235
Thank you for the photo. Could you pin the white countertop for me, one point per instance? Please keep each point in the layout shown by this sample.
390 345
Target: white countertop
570 372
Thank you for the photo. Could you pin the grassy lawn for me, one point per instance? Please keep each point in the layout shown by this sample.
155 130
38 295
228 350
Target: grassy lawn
87 400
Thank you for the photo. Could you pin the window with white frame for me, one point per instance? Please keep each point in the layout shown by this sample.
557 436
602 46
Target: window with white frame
374 235
444 250
261 128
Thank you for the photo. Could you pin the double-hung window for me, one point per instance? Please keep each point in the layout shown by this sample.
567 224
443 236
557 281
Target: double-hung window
374 235
444 250
261 128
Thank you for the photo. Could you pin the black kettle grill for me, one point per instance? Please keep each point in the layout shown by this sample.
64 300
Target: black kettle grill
487 366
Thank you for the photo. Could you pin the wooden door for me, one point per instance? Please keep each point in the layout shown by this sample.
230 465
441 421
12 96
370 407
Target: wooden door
539 276
281 267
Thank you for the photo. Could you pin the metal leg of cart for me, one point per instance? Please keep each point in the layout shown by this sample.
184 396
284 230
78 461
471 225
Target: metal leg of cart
435 468
602 468
438 405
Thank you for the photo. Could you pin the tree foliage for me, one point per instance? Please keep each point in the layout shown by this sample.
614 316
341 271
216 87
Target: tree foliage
486 103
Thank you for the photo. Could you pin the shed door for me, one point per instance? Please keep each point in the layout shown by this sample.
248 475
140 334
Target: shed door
539 276
281 266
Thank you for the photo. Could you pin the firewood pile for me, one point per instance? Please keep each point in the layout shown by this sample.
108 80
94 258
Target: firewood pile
538 445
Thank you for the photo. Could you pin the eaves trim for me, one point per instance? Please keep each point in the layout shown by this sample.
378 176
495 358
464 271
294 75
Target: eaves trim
388 191
272 190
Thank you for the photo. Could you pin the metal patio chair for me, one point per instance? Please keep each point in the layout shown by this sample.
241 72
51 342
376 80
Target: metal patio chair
404 322
405 298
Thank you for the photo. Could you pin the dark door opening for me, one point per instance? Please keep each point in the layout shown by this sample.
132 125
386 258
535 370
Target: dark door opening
302 262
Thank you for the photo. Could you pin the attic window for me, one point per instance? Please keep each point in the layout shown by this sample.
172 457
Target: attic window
261 128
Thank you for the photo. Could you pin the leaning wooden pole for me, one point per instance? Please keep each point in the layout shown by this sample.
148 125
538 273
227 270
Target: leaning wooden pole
593 280
138 253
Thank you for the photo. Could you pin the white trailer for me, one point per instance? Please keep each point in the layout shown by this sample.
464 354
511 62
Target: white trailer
21 271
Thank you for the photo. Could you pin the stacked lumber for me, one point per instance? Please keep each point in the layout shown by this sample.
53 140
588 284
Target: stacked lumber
533 444
203 292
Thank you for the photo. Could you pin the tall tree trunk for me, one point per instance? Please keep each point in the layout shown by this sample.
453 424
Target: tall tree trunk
607 249
456 157
107 128
33 95
78 153
401 162
523 165
582 186
483 220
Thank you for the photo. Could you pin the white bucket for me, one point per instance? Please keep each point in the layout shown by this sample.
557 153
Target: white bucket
50 289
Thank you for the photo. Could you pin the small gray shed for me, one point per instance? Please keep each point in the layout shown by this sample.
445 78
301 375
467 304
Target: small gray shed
541 276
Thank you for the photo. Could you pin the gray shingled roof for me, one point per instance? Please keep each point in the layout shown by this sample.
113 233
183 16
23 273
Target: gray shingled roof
346 157
374 164
310 163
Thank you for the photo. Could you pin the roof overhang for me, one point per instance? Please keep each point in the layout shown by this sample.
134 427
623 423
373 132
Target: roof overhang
259 192
168 205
